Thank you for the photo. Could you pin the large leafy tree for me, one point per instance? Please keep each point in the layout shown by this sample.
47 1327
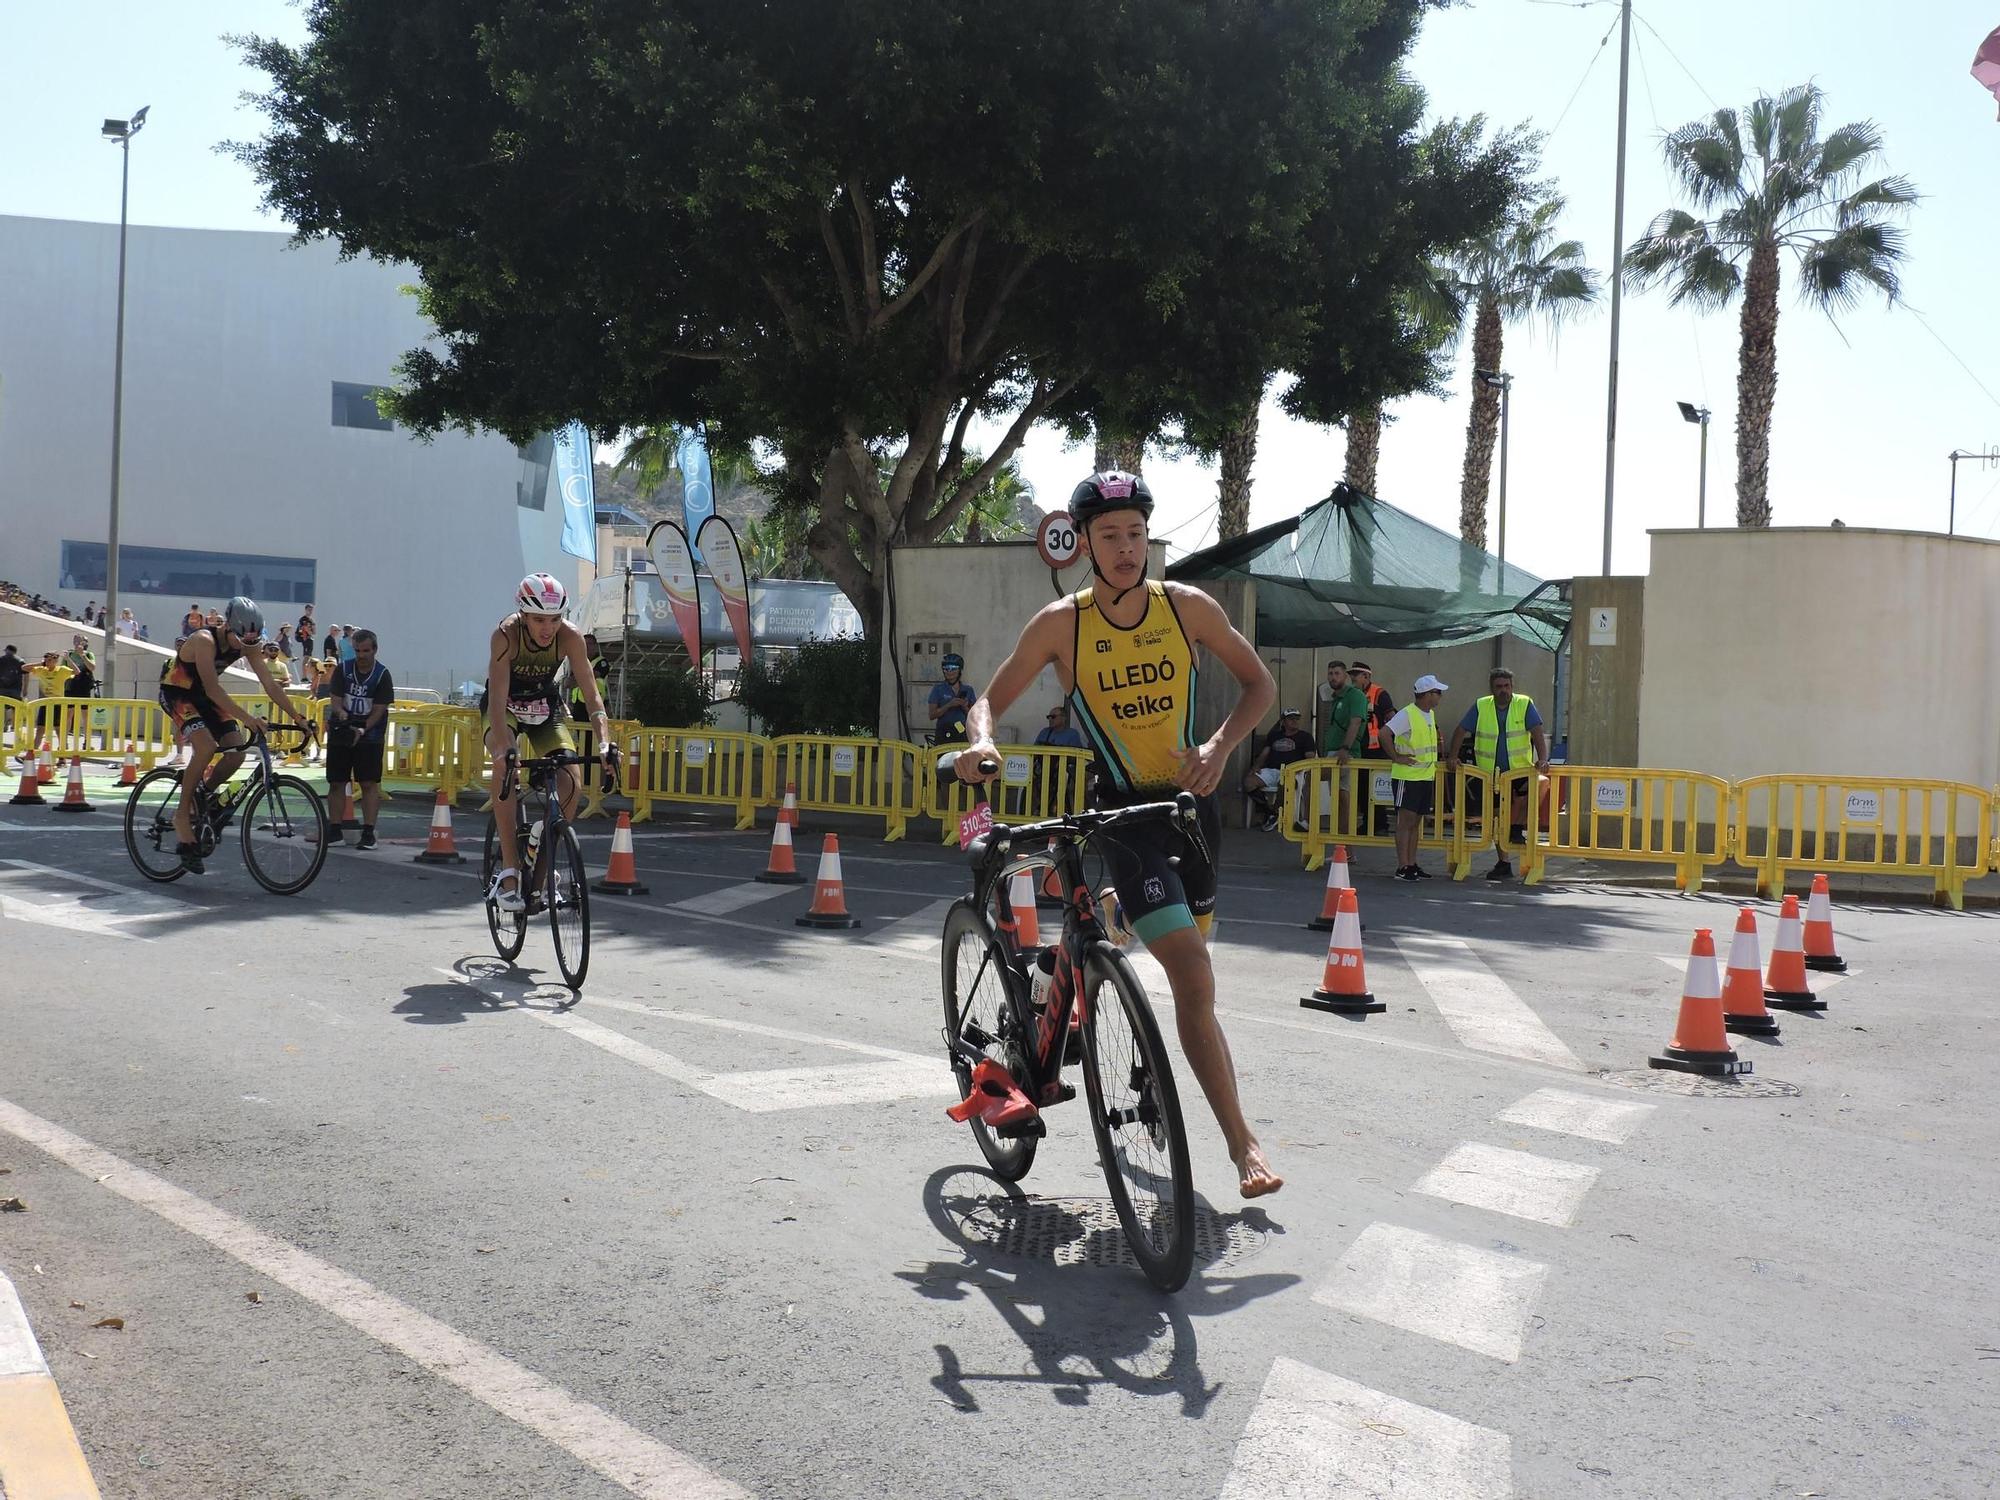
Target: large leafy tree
1521 272
1768 182
843 232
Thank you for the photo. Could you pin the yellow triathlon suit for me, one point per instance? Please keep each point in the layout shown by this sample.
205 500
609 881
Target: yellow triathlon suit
1134 700
532 711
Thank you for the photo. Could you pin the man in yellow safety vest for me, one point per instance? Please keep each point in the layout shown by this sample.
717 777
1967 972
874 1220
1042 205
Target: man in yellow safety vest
1410 739
1507 734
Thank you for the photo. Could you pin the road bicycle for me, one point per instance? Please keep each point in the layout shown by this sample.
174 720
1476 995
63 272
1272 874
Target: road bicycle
552 878
284 821
1015 1017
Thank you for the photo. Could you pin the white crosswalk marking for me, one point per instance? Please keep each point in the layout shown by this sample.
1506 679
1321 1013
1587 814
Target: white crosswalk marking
1510 1182
50 897
1479 1006
1315 1436
731 898
1457 1294
920 934
1610 1120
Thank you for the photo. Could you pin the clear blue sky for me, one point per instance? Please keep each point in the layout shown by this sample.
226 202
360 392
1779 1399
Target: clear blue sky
1865 414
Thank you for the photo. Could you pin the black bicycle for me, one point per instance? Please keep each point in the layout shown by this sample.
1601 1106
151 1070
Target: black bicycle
1014 1017
553 878
284 821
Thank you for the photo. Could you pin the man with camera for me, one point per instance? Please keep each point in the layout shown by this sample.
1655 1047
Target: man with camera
357 728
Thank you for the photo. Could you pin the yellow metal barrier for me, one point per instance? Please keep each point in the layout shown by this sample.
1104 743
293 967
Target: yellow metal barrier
1621 813
1939 831
1326 803
96 728
1036 782
17 727
430 746
715 768
849 774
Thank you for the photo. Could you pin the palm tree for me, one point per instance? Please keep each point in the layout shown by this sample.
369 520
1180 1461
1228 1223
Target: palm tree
1772 184
1001 511
1238 453
1519 271
1364 449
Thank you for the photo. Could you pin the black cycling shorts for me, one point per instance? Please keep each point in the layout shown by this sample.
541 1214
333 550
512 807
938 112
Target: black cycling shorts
1158 897
183 704
359 763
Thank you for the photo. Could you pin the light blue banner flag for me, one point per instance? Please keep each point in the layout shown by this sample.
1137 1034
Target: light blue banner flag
697 483
579 494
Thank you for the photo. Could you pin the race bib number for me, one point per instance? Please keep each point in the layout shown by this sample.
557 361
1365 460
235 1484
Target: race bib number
529 710
974 823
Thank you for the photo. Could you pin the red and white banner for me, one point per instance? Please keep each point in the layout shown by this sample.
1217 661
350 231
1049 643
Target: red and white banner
716 545
675 564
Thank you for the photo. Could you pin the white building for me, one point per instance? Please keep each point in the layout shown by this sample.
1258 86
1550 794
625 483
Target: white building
254 458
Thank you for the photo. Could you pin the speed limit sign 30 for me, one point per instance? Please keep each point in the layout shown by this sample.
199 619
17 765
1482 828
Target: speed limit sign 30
1055 539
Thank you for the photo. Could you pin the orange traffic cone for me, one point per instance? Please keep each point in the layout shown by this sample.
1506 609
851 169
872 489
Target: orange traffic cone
1701 1044
72 801
1343 989
45 763
782 868
621 876
829 908
1786 986
31 788
788 814
129 776
1337 880
1743 985
1021 895
439 848
1821 955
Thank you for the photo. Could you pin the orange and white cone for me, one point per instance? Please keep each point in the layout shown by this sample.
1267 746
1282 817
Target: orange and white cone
1337 880
1021 896
72 801
829 908
621 876
1822 957
788 814
440 848
1785 986
129 774
1743 1009
45 763
1701 1043
31 788
1343 988
782 868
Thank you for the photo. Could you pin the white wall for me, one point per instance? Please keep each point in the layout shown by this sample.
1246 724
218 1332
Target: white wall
232 344
1853 652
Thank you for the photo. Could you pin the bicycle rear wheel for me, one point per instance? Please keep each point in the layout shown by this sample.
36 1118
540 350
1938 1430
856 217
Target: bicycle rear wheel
975 966
149 825
569 907
509 928
284 834
1135 1113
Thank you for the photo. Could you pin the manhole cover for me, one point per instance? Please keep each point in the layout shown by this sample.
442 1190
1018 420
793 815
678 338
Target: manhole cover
1694 1086
1086 1232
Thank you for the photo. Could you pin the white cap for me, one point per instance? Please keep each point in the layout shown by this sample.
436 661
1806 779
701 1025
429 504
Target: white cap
1429 684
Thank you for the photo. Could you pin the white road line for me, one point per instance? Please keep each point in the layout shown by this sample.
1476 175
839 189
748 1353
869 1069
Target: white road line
635 1461
755 1028
35 893
1479 1006
730 898
921 933
1510 1182
1457 1294
20 1354
1815 981
1315 1436
1610 1120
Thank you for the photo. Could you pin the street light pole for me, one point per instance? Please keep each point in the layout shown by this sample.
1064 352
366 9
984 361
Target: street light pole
1692 413
1504 383
122 132
1617 277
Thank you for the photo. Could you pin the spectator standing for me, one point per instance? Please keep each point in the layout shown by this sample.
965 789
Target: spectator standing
145 632
1060 731
1345 723
1380 707
127 625
304 634
1507 733
1287 742
192 621
600 670
358 697
13 681
90 613
284 645
82 664
50 676
346 644
330 647
1410 739
950 701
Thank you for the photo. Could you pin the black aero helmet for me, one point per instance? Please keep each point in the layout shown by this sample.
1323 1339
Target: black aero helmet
1111 490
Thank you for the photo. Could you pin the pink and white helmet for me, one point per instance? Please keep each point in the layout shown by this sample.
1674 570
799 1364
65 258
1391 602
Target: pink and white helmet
541 594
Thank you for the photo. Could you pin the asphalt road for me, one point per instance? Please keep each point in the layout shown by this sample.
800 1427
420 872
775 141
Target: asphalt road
384 1218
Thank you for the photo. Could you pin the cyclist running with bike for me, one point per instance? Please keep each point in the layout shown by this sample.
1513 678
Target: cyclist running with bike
1124 652
191 692
522 702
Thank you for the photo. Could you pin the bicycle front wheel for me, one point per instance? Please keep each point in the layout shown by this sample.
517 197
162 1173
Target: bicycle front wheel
569 907
149 825
509 928
284 835
981 1009
1135 1113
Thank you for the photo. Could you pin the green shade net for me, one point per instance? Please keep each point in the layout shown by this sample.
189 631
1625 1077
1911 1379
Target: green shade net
1354 571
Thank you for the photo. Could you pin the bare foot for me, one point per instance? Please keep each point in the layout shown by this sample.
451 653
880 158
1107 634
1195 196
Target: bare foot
1255 1174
